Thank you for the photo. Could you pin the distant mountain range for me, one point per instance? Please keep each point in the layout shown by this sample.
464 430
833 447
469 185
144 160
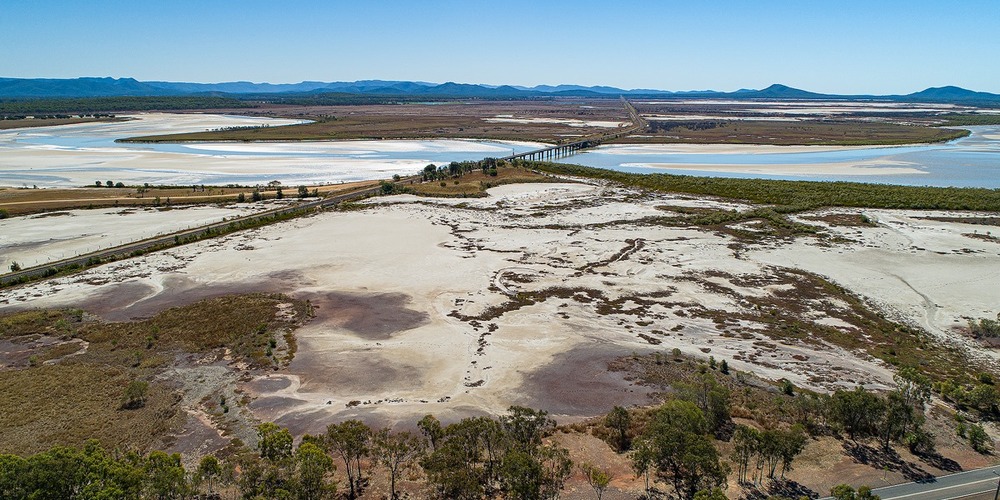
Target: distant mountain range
32 88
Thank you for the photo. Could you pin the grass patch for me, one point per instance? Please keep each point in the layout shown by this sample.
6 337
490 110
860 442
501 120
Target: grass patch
79 397
71 402
243 323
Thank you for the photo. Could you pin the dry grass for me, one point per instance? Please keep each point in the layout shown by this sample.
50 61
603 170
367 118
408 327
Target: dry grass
28 201
476 183
70 399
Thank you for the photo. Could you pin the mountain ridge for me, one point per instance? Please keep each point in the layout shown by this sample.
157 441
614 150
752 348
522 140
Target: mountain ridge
35 88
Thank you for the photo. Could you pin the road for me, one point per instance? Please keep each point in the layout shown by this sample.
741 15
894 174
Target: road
978 483
173 238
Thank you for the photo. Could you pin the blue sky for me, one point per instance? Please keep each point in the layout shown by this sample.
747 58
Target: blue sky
825 46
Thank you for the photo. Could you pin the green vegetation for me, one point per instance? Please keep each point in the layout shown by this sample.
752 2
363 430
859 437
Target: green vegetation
845 492
985 328
796 195
957 120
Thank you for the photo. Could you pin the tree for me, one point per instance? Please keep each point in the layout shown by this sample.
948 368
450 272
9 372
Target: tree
278 194
15 267
256 196
556 469
520 476
712 494
979 439
682 451
241 198
746 443
896 419
303 192
712 399
845 492
857 412
641 460
793 441
350 440
312 465
397 453
526 426
109 184
208 471
97 183
430 426
135 394
597 477
165 476
619 420
274 442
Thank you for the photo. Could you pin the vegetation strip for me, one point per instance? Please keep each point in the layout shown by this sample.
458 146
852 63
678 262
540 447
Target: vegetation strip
795 196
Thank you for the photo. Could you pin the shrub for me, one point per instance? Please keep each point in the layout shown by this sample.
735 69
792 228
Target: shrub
979 440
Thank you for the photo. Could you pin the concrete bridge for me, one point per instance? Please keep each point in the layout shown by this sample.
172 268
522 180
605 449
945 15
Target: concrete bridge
561 150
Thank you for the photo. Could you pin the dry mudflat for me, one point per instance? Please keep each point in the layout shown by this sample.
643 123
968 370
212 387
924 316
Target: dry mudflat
47 237
462 307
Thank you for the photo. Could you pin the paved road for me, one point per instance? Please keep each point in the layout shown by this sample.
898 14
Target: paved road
169 239
981 483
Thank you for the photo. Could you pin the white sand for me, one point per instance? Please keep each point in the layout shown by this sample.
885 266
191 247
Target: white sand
440 260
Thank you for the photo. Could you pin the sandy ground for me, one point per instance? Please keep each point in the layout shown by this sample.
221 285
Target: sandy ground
417 299
37 239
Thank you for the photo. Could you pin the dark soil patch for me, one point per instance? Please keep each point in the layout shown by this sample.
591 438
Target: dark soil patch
373 317
578 383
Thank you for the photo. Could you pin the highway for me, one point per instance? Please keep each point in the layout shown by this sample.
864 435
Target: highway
977 483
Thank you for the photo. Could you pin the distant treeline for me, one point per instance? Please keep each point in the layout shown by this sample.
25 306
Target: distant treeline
797 195
117 104
969 120
57 116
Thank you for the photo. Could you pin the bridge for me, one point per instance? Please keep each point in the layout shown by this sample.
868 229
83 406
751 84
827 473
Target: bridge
561 150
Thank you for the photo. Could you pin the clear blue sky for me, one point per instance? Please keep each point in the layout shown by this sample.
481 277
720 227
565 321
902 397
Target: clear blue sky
844 46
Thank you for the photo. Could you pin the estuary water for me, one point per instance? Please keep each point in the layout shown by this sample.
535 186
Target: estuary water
81 154
973 161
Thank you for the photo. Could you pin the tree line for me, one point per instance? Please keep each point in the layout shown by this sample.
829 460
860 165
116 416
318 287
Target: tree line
673 448
796 195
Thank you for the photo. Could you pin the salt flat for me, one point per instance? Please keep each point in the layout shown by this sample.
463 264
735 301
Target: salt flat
463 307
